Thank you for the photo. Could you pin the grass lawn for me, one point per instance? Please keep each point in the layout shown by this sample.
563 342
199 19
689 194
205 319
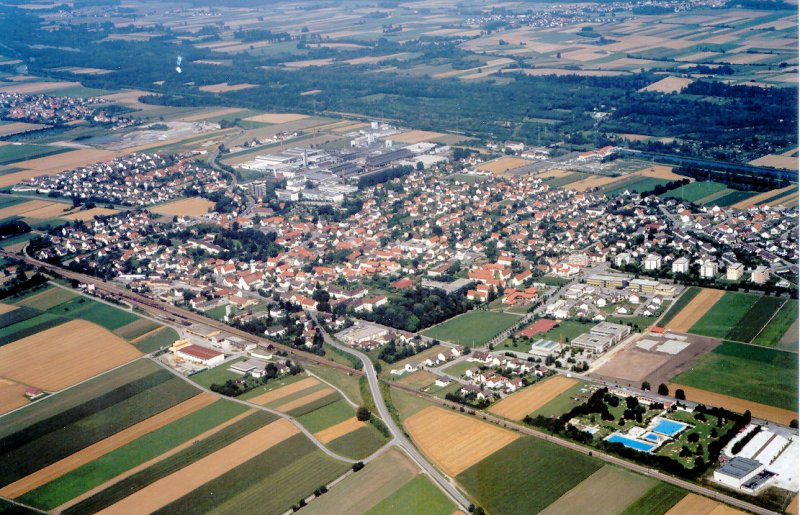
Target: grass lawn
217 375
657 501
526 476
755 319
685 298
474 328
407 404
419 495
564 402
155 341
724 315
97 472
569 329
771 335
358 444
327 416
458 369
346 383
694 191
757 374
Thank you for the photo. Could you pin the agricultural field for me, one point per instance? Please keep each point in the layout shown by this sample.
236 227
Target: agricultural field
526 476
781 330
699 303
503 165
455 442
565 401
419 495
635 184
688 294
658 500
747 372
21 152
472 329
520 404
609 491
723 318
186 207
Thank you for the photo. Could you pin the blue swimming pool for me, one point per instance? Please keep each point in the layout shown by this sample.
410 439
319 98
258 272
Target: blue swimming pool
669 427
630 442
651 437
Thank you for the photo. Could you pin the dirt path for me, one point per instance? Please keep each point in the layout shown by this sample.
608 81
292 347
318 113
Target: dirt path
146 464
185 480
103 447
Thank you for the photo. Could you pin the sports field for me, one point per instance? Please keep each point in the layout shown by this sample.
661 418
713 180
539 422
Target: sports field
455 442
748 372
526 476
520 404
473 329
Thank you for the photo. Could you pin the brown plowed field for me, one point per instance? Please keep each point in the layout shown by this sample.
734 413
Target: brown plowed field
182 482
416 136
342 428
89 214
66 161
455 442
520 404
64 355
187 207
6 308
287 390
103 447
695 310
503 165
762 411
276 117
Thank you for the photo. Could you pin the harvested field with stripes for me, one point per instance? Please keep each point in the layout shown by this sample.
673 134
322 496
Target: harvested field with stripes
285 391
699 505
12 395
762 411
455 442
332 433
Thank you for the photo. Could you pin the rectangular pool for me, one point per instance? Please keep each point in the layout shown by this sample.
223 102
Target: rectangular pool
631 443
651 437
669 427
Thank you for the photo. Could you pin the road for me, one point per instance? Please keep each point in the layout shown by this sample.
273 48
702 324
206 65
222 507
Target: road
445 483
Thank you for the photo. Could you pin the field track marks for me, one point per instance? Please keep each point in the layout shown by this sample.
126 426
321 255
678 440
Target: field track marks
103 447
148 463
695 310
185 480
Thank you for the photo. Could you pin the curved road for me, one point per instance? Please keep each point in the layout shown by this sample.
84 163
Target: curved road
444 482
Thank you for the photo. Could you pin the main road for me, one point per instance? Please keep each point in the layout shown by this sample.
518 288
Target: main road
445 483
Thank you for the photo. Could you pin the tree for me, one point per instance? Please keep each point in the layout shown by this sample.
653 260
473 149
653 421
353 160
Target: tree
646 385
363 414
680 394
663 389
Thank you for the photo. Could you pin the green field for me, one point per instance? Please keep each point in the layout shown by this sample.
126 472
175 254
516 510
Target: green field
327 416
780 324
358 444
568 329
217 375
346 383
13 153
101 314
558 182
58 409
48 299
167 466
268 483
657 501
685 298
29 327
474 328
732 198
18 315
155 341
564 402
136 329
636 185
65 433
694 191
755 319
723 316
419 495
526 476
97 472
758 374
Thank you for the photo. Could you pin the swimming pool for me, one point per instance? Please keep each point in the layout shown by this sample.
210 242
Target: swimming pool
651 437
631 443
669 427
